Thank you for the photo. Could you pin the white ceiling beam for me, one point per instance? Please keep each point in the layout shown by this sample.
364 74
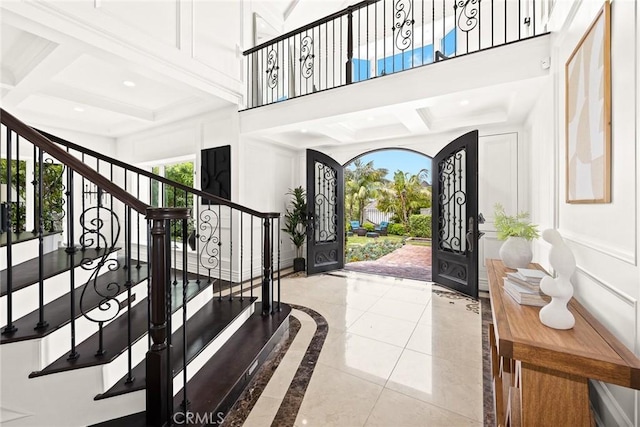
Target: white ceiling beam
412 120
41 74
89 99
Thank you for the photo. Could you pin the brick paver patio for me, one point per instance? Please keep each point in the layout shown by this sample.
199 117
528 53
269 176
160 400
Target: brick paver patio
408 262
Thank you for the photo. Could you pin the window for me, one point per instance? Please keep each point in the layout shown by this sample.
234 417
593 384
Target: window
165 195
18 183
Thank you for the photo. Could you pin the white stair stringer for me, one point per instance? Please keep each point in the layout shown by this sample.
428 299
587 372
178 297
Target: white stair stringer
67 398
62 399
114 371
58 342
25 300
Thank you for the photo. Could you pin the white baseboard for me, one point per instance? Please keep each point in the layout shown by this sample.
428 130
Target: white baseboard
605 407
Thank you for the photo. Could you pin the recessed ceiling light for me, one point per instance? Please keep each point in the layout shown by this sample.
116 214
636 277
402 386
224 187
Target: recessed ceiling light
78 109
128 83
464 102
304 130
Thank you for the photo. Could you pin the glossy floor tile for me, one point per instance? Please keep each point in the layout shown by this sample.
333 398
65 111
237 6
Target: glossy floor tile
397 353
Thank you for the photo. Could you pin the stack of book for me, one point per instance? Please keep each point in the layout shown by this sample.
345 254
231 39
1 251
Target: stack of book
524 287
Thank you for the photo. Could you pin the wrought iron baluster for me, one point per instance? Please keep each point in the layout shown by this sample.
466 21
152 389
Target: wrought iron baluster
10 327
433 32
174 231
241 254
41 322
251 259
230 254
71 250
219 252
505 21
18 227
279 243
34 182
111 195
138 224
197 201
185 283
129 285
349 70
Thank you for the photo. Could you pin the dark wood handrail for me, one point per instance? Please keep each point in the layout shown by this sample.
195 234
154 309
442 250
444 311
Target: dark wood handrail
42 142
345 11
134 169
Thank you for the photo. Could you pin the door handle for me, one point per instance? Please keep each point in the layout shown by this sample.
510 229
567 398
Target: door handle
470 234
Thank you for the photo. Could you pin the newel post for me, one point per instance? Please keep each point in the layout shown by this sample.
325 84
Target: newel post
159 382
267 291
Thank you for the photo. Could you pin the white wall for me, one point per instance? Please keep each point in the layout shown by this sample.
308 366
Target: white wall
268 172
603 237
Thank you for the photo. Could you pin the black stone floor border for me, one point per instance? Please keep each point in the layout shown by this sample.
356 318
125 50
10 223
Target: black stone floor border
487 388
288 410
239 412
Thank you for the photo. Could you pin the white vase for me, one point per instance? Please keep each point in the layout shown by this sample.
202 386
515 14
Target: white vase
515 252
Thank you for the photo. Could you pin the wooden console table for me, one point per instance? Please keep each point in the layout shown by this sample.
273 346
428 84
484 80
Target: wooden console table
540 374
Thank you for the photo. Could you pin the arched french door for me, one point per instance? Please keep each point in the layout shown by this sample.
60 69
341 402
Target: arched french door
454 214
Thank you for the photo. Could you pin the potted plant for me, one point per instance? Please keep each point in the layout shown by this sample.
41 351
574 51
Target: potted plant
295 224
517 232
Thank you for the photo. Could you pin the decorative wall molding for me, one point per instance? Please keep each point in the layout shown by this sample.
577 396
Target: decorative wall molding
612 251
628 300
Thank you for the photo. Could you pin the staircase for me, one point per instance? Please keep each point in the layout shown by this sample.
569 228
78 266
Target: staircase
117 312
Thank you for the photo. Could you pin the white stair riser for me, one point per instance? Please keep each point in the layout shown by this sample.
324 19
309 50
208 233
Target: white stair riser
58 343
26 299
24 251
207 353
112 372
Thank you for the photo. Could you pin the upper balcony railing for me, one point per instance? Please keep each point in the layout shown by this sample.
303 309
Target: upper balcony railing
378 37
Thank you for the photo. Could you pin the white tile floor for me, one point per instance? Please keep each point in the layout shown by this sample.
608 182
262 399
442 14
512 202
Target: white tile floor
396 355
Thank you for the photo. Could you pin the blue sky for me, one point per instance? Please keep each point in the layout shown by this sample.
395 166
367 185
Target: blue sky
393 160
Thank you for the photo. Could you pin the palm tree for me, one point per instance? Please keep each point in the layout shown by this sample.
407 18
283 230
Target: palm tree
404 196
361 184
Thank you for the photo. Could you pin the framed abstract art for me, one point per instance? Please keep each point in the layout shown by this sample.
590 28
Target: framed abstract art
588 114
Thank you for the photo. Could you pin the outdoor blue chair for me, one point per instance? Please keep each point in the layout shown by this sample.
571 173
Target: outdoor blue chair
355 225
382 228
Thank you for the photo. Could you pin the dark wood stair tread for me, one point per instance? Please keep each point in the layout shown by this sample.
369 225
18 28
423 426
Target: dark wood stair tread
115 340
219 383
23 236
56 262
57 312
202 328
216 386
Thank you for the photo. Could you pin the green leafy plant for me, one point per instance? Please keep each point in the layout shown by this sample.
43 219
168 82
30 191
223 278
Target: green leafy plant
397 229
420 225
296 218
369 227
514 225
